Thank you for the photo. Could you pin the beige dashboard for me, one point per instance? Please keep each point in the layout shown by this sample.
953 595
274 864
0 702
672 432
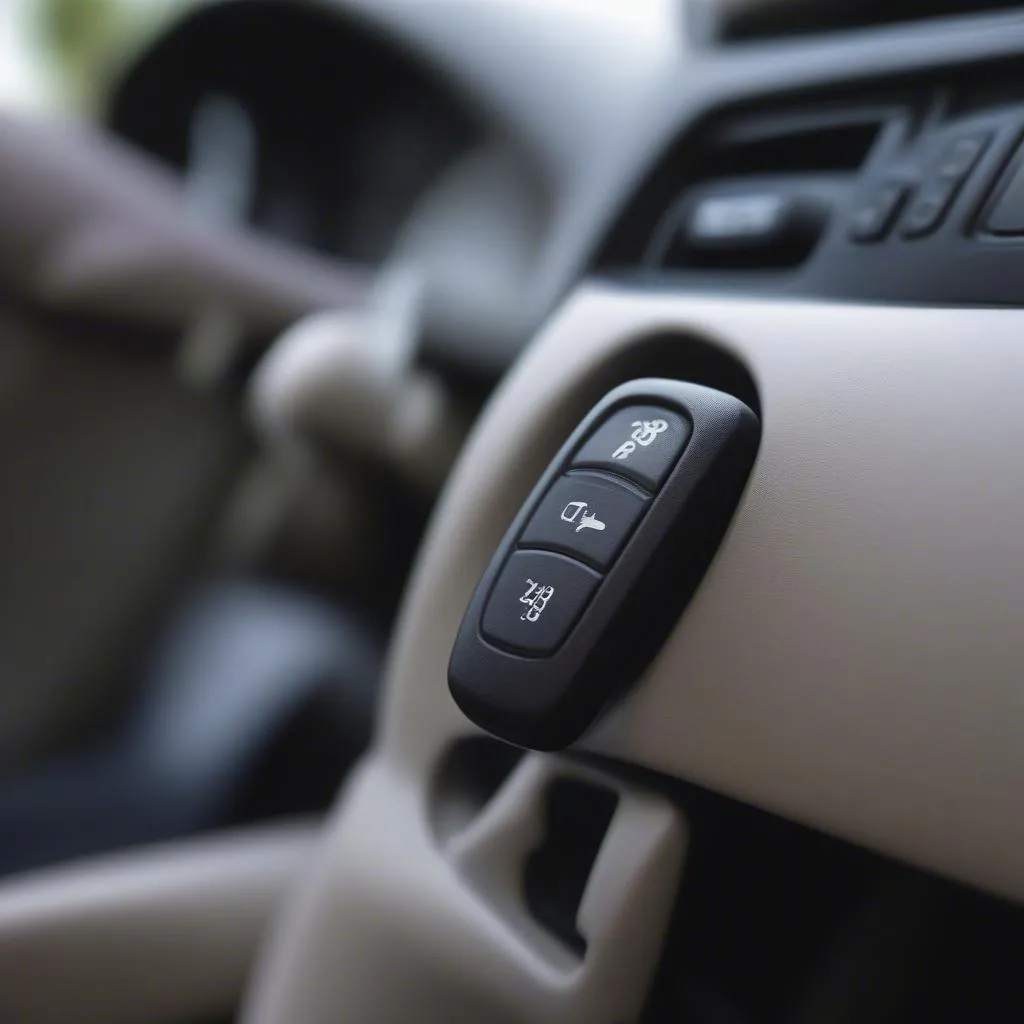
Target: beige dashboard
851 659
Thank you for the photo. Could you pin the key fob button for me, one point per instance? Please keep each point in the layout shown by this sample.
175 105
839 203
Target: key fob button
537 599
586 516
642 442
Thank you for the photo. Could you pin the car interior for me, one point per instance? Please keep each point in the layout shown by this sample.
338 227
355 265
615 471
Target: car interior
512 513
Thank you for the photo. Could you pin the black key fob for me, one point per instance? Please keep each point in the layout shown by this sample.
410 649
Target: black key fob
601 560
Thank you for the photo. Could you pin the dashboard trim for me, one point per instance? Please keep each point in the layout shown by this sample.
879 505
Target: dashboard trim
895 721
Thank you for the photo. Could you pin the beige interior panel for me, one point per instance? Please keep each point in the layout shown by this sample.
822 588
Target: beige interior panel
166 934
398 923
852 659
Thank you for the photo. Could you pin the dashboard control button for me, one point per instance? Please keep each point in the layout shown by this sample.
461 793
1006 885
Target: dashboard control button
874 217
536 600
1006 217
961 155
926 212
642 442
773 226
738 220
587 516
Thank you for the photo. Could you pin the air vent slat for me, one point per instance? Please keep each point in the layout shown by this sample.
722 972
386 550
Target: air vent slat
754 191
796 148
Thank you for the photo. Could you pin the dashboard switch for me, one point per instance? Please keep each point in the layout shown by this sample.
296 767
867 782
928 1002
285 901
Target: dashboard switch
1006 217
594 572
738 220
536 601
961 155
772 225
926 212
873 218
945 180
641 442
586 516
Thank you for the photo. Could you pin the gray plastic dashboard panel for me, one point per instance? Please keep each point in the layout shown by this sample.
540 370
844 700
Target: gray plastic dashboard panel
611 86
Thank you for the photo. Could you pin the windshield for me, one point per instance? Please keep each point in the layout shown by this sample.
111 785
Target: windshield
60 56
